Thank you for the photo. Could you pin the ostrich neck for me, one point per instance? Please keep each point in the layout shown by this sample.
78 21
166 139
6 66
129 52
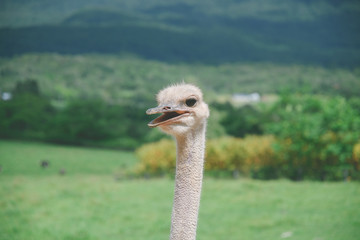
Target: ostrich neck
188 182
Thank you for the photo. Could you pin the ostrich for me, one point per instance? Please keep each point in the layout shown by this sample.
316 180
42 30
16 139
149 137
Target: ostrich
184 116
44 163
62 171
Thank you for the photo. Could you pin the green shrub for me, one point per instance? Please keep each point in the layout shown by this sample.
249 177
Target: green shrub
316 136
226 154
356 162
244 155
156 158
26 116
260 157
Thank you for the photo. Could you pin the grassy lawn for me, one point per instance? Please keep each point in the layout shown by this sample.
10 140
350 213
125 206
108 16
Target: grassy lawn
24 158
88 203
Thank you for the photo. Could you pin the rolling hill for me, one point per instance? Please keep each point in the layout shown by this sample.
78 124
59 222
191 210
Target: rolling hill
306 32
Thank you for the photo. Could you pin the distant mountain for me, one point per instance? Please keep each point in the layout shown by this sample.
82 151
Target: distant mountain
311 32
20 13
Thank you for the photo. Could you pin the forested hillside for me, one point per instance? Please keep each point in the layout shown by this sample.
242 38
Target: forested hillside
313 32
130 79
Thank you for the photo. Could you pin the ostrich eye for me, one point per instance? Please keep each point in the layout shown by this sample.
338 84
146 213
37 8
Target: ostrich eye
190 102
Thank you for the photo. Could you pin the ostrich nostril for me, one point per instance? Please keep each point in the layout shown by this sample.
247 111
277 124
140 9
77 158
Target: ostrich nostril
166 108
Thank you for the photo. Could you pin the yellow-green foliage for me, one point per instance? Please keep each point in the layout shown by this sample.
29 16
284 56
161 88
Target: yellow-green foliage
242 154
356 156
227 153
156 158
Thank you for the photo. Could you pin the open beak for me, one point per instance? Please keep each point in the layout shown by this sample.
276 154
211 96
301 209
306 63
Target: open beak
168 115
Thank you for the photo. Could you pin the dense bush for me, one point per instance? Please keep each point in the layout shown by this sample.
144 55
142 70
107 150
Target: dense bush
30 115
95 123
27 115
316 136
356 157
257 157
156 158
240 121
251 156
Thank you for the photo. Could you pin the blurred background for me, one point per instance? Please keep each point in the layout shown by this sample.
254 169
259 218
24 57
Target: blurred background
282 79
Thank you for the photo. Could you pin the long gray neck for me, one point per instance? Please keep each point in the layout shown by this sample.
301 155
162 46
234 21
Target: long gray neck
188 182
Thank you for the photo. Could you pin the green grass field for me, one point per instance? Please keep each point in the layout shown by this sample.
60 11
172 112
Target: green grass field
88 203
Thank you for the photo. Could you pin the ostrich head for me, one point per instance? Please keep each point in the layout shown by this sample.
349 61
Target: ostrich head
182 108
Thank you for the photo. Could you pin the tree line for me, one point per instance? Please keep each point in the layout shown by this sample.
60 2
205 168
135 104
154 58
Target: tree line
306 136
30 115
